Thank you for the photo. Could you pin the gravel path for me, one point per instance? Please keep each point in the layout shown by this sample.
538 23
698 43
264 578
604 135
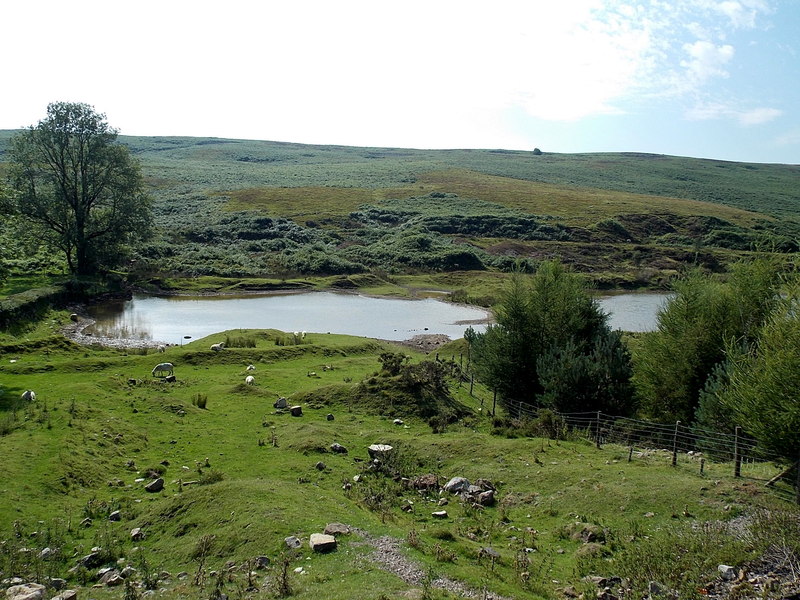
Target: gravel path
388 555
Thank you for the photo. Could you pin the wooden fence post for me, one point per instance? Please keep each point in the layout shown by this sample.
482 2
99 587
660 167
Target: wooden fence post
597 430
471 382
702 465
675 445
494 402
630 454
737 457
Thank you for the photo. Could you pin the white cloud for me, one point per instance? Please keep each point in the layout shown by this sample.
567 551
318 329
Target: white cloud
745 117
706 60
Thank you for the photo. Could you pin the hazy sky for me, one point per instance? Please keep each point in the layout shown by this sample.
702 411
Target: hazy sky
704 78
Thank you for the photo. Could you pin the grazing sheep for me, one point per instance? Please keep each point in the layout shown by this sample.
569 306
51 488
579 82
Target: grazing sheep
161 368
311 374
251 367
249 380
28 396
218 347
162 348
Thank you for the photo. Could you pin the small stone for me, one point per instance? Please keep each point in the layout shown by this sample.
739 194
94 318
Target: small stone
322 542
57 583
320 466
379 450
115 516
280 403
329 416
439 514
66 595
338 449
127 571
727 572
137 534
87 522
398 421
262 562
155 486
297 411
293 542
649 514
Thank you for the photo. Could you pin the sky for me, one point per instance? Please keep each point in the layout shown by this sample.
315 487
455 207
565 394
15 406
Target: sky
702 78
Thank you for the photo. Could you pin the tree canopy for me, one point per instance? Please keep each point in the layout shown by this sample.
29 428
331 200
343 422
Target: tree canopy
82 191
705 316
552 347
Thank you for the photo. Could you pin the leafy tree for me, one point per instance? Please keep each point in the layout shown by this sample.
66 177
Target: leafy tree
762 384
83 191
674 363
552 347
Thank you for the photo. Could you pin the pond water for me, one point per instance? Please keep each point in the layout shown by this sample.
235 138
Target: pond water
633 312
171 319
175 319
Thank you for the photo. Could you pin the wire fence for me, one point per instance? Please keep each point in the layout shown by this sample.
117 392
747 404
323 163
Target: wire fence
675 442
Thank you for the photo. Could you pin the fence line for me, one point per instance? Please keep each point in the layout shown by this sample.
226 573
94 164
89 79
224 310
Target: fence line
676 439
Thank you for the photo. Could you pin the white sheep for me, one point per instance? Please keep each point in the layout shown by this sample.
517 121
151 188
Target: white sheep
28 396
251 367
218 347
249 380
161 348
162 368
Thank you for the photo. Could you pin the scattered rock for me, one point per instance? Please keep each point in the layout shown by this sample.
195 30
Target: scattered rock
293 542
727 572
427 482
87 522
155 486
338 449
115 516
329 416
112 578
336 529
127 572
456 485
26 591
322 542
379 451
90 561
439 514
261 562
170 379
46 553
486 498
281 403
320 466
66 595
297 411
137 534
57 583
398 422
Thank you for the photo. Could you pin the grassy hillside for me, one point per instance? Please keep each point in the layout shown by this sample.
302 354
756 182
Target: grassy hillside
245 209
240 476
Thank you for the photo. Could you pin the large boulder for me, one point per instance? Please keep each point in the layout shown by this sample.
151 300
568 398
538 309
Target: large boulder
26 591
322 542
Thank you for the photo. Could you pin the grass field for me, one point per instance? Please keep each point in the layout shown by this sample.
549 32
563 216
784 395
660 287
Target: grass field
240 476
